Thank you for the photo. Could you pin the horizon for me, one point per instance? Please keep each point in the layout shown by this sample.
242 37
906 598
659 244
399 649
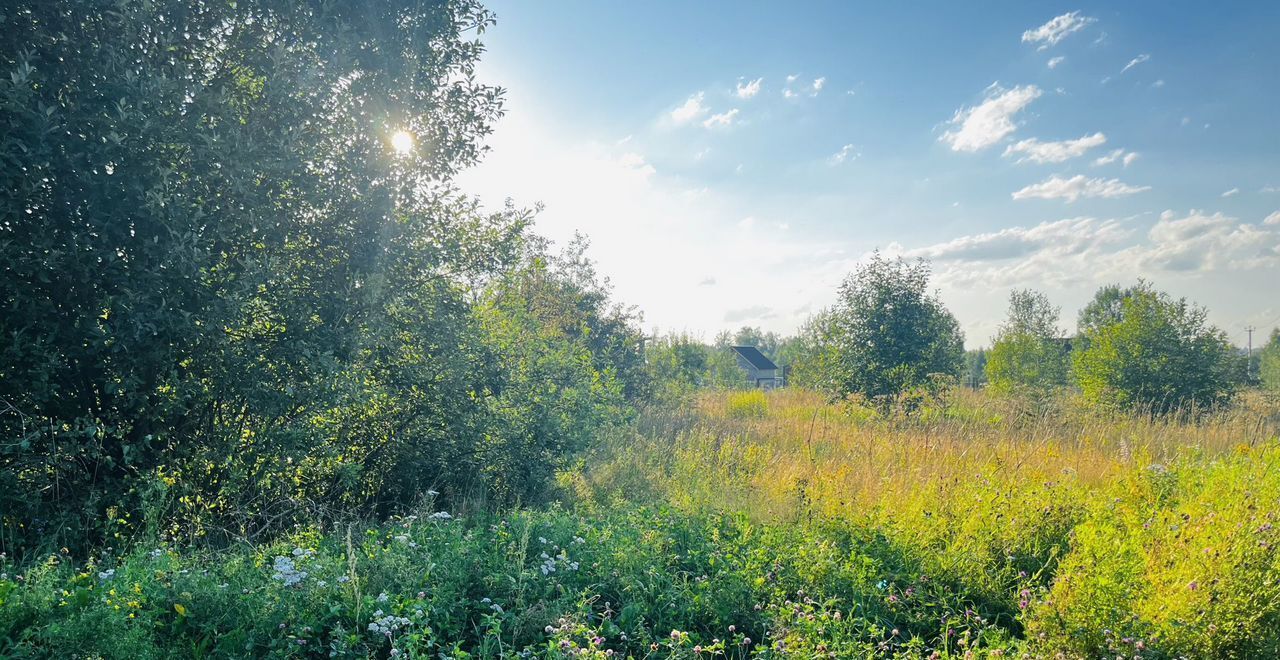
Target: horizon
735 174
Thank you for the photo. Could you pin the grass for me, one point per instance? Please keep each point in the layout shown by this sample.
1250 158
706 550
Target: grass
751 525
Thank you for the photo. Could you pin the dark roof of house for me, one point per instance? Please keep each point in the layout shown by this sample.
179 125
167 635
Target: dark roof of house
753 355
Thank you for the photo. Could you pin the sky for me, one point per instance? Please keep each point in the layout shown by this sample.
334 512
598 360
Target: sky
731 163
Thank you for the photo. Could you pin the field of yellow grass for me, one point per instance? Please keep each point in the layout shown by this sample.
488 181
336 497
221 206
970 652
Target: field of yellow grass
1084 523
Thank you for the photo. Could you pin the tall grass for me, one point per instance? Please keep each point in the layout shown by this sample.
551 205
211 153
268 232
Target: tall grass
1004 499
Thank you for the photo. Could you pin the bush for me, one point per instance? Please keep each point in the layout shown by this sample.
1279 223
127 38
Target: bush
1160 356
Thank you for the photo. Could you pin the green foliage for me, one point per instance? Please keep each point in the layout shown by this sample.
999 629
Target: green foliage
231 306
1028 355
678 364
1182 562
1161 355
1107 306
975 368
887 335
1269 362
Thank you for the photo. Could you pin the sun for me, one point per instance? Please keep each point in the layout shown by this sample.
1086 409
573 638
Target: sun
402 142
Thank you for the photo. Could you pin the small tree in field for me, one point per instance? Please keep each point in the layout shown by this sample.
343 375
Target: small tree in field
1157 354
1269 363
888 334
1027 355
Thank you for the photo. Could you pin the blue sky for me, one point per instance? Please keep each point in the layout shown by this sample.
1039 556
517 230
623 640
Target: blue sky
732 162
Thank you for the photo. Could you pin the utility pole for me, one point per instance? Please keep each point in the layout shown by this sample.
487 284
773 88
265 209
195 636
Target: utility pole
1248 363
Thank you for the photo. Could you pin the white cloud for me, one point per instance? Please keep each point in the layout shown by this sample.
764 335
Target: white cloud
989 122
847 152
818 84
1055 61
1117 155
1158 83
1065 251
1202 242
1072 189
1056 29
1062 237
721 120
1231 193
636 162
750 89
691 109
1135 62
1054 152
1269 189
752 313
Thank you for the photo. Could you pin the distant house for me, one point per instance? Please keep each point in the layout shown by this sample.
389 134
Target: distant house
760 371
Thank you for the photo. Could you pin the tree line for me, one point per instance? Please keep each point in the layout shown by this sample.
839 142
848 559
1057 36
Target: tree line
890 341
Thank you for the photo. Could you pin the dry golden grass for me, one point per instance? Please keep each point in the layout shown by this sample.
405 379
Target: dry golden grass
804 453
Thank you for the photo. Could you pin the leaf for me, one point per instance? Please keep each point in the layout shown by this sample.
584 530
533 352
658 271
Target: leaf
177 607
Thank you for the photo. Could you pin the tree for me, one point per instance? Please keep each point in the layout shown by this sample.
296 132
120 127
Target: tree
1107 306
236 280
1027 355
975 368
888 333
1269 362
1154 353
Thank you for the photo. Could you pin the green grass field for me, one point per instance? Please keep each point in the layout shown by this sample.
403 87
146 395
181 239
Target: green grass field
749 525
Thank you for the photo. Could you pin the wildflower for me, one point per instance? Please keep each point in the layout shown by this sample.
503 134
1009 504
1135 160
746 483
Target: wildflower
402 538
441 515
342 579
156 553
107 574
287 572
382 597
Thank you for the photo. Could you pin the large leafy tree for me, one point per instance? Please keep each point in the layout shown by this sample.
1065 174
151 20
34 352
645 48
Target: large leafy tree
1154 353
217 270
1028 355
888 333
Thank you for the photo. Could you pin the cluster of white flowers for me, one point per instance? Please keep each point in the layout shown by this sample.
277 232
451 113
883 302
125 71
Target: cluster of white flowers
383 597
107 574
387 624
155 554
287 571
549 563
441 515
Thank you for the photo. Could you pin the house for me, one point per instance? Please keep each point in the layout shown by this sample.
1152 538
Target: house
760 371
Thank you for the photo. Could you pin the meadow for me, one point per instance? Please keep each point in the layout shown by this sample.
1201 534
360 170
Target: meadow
745 524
